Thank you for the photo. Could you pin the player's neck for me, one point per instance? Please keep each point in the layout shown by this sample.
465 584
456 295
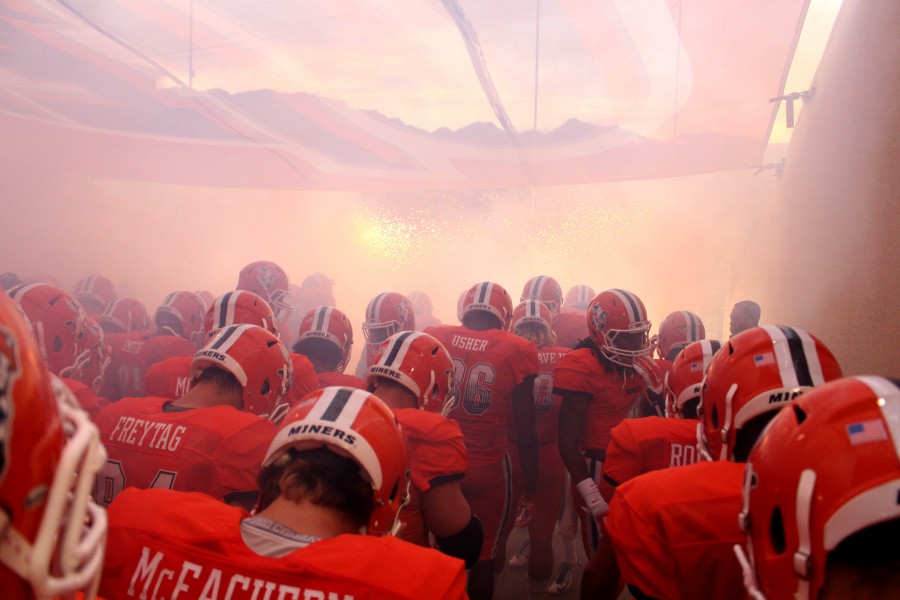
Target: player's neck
204 394
307 518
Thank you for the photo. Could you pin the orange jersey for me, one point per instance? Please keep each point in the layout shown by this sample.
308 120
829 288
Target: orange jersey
131 357
330 378
674 530
612 393
170 378
437 454
305 378
216 450
488 365
547 403
570 328
642 445
163 543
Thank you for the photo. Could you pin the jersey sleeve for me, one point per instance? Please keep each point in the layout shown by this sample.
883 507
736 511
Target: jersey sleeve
437 448
238 460
305 378
623 459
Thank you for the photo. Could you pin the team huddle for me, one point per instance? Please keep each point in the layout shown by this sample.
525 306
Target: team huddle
222 449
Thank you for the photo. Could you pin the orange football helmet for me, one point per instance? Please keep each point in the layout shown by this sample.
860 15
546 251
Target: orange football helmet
256 358
826 468
355 424
756 372
52 533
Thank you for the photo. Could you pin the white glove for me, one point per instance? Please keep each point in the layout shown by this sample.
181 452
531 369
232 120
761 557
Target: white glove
592 498
648 370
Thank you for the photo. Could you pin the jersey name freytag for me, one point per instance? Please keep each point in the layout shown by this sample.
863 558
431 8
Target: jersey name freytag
134 432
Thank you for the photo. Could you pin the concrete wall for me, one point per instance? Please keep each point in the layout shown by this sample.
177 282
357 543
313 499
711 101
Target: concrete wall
828 258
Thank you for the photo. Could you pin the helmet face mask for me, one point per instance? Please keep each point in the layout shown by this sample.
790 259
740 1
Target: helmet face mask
544 289
618 326
388 313
50 453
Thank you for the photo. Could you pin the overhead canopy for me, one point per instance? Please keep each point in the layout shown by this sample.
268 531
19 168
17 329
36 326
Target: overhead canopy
375 94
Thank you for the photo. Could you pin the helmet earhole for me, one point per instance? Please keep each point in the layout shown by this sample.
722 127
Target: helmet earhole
776 532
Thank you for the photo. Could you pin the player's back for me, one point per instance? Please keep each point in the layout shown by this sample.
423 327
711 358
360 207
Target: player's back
131 357
639 446
330 378
674 531
437 454
488 365
163 543
151 444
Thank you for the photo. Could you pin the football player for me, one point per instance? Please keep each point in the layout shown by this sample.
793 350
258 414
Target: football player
171 378
685 550
412 373
179 332
598 385
424 310
213 438
494 373
52 535
820 506
744 315
571 324
533 321
331 487
325 337
386 314
57 320
94 293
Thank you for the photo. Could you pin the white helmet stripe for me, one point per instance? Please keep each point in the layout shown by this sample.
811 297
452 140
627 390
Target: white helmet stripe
223 311
796 357
374 308
692 323
321 318
889 402
635 314
710 347
483 292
